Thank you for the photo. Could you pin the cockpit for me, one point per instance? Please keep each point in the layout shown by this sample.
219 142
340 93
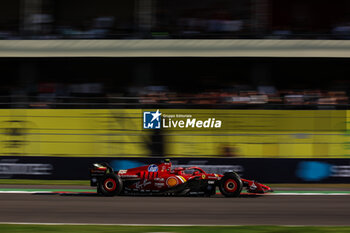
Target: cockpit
188 171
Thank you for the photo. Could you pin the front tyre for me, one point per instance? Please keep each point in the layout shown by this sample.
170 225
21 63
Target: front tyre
231 185
110 185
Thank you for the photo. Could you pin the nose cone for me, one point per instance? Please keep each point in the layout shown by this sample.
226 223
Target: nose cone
256 187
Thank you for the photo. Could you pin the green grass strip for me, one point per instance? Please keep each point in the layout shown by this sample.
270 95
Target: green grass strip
4 228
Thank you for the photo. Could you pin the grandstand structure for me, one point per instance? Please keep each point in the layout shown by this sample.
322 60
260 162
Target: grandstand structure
80 90
113 130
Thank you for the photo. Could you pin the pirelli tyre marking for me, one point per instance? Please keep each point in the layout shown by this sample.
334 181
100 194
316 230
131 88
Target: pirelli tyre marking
110 184
230 185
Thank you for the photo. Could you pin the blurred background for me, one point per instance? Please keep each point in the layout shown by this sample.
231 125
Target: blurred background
77 75
145 19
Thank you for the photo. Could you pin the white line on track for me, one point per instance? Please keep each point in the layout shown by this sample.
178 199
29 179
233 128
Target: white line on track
25 192
157 225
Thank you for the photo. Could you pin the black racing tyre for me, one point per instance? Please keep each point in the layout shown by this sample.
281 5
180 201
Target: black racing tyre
110 185
231 185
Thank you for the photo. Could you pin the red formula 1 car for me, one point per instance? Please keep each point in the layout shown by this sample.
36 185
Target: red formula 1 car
162 179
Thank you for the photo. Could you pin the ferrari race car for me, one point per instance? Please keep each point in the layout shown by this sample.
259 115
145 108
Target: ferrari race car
161 179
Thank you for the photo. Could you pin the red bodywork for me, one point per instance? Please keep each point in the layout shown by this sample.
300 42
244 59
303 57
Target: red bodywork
162 178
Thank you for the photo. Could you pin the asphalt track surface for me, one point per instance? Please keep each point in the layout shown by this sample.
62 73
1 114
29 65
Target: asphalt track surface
246 210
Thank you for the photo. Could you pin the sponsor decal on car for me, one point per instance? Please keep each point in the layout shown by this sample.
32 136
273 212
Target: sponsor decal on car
129 176
157 179
142 184
171 181
152 168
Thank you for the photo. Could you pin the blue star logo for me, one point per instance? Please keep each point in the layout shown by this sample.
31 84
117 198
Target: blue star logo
151 120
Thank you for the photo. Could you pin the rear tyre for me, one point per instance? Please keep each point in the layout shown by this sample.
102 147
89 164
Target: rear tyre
110 185
231 185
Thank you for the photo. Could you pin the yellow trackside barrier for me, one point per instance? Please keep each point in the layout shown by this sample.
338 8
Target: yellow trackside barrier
244 133
72 133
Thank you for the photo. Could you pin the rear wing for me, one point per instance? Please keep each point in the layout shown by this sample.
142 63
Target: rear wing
97 171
